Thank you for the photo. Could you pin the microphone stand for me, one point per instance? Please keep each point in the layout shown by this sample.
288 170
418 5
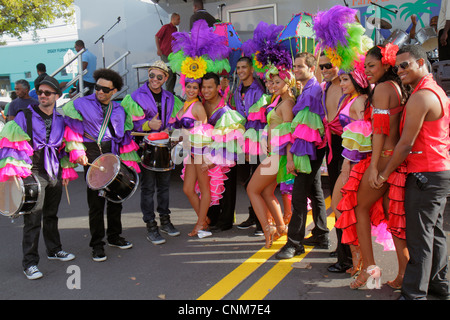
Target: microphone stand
102 37
377 19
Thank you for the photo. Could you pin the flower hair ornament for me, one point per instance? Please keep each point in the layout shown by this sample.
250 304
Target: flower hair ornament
198 52
340 37
263 47
389 53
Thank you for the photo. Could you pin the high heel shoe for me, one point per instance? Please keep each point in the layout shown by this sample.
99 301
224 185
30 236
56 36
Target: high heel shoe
269 233
281 231
200 232
373 280
396 284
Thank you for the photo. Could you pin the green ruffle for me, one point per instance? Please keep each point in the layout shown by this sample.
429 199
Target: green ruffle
14 162
74 145
282 175
231 146
263 101
217 66
130 156
281 130
178 104
312 120
131 107
229 118
354 145
358 138
65 163
252 134
13 132
198 140
70 111
302 164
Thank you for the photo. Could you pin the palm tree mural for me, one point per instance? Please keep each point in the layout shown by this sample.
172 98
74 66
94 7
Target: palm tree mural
417 8
377 12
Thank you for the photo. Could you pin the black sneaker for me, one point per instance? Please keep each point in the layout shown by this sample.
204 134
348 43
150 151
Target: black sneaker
153 234
32 273
246 224
167 226
61 256
98 254
120 243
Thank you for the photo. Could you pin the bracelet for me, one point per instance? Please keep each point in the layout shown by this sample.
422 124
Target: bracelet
382 177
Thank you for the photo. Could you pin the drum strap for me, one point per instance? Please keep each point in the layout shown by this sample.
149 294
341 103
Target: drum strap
105 124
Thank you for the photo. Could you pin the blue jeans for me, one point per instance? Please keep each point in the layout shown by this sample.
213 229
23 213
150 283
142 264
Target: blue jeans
152 181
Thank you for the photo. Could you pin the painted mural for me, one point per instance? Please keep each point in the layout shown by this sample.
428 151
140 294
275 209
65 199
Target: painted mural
396 13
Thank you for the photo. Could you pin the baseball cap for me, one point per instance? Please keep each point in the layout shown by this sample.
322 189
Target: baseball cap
52 82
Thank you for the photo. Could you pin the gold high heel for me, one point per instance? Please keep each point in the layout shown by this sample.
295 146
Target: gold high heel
356 259
269 233
396 284
281 231
373 280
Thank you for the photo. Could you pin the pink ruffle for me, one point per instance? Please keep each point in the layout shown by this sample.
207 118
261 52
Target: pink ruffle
132 146
69 173
18 145
383 236
70 135
258 116
136 118
231 136
75 154
252 148
304 132
133 164
11 170
216 183
280 141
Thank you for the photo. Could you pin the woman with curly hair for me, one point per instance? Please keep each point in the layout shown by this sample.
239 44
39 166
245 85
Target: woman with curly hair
363 206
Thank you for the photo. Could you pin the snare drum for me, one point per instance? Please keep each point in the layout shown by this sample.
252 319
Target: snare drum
428 38
156 155
115 180
398 37
19 196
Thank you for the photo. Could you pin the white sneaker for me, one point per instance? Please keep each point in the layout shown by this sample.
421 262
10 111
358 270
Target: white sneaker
33 273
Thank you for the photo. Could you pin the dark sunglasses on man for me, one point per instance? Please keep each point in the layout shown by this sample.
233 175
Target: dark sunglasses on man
152 75
47 93
404 65
327 66
102 88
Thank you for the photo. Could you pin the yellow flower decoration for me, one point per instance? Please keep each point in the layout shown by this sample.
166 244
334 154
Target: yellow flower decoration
193 68
258 64
335 59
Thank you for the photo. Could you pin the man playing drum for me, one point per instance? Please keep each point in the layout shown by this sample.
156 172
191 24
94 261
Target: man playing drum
30 147
152 107
97 125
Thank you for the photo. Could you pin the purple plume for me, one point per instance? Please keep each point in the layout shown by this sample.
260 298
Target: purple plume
263 34
329 26
201 41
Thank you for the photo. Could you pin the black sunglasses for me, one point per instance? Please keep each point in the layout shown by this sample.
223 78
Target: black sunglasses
104 89
327 66
152 75
47 93
404 65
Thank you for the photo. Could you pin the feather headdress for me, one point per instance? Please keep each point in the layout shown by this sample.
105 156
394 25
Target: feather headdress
340 37
198 52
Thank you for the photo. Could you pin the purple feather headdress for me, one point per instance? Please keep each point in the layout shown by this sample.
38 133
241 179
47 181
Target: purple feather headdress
329 26
264 33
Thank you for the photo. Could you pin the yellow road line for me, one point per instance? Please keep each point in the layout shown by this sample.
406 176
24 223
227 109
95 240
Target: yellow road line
235 277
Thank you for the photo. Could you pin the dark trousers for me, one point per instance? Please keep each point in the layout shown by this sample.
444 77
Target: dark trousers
97 203
444 51
151 182
46 211
222 215
344 254
308 186
425 235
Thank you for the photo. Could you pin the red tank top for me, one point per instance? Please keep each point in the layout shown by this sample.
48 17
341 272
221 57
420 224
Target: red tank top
430 152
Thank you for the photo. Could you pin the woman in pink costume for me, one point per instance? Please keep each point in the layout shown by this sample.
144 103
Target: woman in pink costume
363 206
356 136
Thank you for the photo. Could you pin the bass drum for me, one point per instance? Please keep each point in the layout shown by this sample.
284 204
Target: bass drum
115 180
19 195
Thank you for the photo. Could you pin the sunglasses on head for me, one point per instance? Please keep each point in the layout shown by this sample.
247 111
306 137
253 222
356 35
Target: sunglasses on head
47 93
404 65
327 66
104 89
159 76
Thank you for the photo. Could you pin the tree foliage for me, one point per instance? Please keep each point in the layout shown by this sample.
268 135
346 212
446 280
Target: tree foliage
21 16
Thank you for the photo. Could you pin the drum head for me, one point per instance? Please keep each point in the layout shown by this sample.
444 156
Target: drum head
11 196
97 178
162 142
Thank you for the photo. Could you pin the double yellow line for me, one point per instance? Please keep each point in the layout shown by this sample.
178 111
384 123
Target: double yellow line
270 279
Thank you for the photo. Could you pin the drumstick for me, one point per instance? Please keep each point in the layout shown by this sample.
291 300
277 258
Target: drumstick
101 168
140 134
17 182
67 194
